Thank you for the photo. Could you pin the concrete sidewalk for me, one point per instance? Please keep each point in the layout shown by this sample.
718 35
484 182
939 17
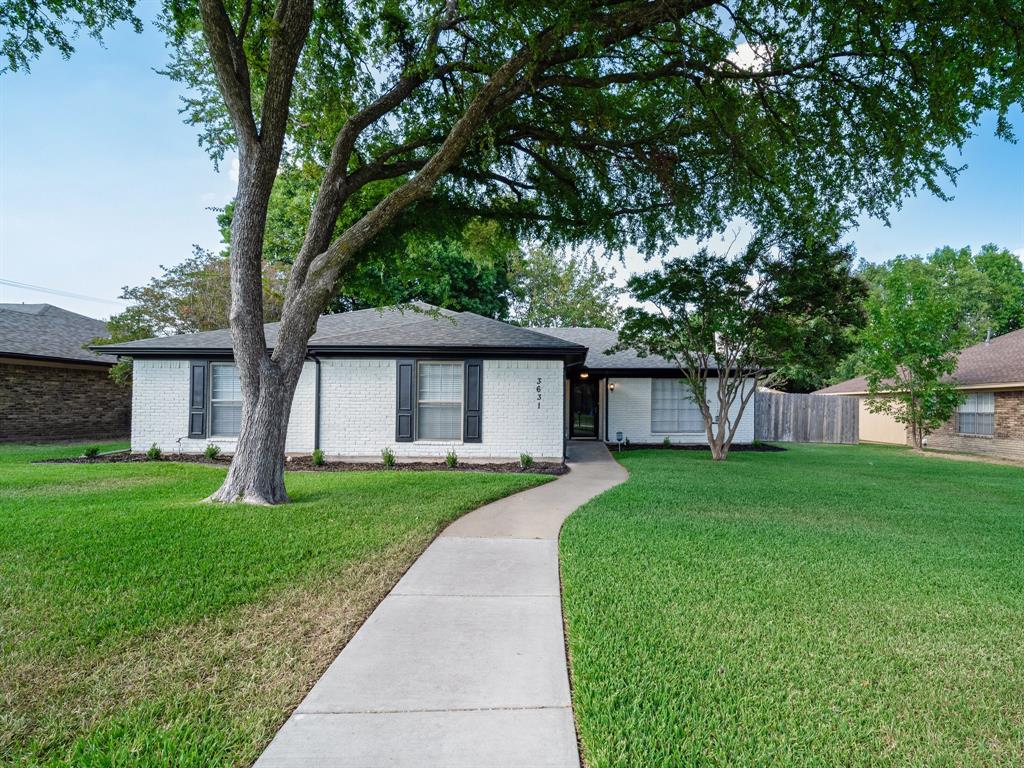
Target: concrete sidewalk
463 664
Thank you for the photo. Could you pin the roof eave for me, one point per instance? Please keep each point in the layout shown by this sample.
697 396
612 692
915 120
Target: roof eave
568 353
59 359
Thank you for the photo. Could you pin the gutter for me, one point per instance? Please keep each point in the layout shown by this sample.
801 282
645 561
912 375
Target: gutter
569 354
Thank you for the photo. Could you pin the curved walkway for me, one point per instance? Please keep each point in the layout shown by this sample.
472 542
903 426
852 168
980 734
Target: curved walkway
463 664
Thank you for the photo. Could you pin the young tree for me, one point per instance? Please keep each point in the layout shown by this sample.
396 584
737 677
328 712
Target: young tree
550 289
916 329
987 287
743 321
613 123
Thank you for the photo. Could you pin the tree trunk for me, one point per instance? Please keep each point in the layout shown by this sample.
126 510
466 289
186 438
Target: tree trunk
256 475
719 451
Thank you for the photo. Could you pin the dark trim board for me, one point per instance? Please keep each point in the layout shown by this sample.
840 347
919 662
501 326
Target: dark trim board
13 358
642 373
435 353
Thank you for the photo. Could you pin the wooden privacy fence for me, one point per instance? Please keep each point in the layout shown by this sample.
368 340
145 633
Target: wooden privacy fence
786 417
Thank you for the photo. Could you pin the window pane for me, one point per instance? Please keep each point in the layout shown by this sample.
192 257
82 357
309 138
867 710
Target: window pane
673 408
440 422
986 424
440 381
226 385
225 419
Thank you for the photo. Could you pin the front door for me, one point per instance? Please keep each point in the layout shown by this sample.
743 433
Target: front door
583 408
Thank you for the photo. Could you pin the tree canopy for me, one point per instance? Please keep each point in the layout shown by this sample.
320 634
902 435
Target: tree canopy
616 123
987 288
552 289
744 321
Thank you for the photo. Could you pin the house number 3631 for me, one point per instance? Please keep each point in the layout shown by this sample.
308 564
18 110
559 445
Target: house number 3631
539 395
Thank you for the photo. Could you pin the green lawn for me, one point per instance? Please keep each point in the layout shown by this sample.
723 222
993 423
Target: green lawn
826 606
141 627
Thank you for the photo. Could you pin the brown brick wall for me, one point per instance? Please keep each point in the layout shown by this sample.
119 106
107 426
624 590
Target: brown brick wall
1008 441
44 402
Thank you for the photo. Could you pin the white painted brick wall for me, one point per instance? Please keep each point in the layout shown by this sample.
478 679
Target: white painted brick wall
160 409
358 410
629 411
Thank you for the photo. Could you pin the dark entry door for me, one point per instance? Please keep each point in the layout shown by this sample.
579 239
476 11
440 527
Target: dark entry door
583 408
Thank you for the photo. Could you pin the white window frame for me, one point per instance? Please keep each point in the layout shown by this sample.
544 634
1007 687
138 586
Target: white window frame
461 402
688 395
973 407
215 402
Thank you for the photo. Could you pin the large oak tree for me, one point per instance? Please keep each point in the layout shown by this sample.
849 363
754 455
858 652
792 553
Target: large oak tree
618 122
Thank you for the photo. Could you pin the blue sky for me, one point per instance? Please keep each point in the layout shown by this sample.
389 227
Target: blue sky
101 182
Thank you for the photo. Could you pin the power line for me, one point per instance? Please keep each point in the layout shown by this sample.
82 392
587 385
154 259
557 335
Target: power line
57 292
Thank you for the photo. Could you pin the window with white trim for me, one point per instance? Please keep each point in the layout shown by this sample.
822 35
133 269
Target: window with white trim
439 400
977 415
225 400
673 408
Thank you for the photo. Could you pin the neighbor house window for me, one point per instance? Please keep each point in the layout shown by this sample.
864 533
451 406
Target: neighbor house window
673 408
225 400
977 415
439 400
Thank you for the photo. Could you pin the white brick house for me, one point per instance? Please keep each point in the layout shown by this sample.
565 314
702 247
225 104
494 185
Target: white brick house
421 383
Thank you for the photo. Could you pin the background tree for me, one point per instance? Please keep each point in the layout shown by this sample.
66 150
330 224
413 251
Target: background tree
987 286
618 123
552 289
743 321
1004 274
916 328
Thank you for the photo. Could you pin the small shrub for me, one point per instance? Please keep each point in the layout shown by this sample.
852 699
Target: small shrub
91 452
212 451
451 459
525 460
667 442
153 454
388 457
626 442
757 443
318 457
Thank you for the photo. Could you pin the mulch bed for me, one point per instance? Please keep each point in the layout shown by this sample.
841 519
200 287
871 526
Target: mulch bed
760 448
305 464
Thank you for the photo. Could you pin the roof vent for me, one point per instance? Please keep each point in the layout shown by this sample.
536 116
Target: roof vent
988 336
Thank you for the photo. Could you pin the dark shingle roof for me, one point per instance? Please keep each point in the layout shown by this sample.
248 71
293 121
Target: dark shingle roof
597 340
44 331
999 361
384 329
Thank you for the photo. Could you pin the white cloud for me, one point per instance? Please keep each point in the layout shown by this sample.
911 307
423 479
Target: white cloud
233 168
1019 253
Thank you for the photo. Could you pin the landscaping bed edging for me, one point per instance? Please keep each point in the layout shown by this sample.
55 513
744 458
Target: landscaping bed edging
305 464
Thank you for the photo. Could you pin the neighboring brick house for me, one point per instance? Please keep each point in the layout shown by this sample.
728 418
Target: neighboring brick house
50 387
991 419
421 383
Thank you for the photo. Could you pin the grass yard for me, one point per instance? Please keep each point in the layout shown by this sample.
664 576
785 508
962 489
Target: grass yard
141 627
826 606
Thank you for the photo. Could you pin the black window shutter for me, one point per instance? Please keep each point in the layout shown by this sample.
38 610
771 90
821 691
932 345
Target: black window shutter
197 399
405 401
472 432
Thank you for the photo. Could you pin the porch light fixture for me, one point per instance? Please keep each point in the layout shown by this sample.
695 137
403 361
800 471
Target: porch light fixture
584 375
611 386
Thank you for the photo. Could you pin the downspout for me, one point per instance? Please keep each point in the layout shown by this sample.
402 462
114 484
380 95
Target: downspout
607 394
316 405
